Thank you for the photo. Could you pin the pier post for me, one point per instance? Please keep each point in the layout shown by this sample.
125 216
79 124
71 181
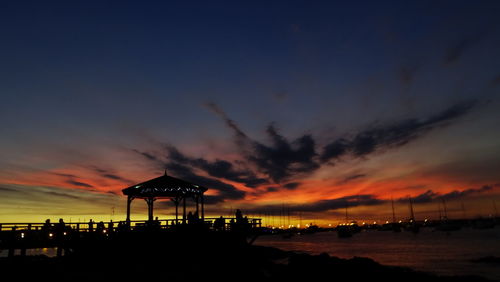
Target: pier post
202 209
184 210
176 202
197 205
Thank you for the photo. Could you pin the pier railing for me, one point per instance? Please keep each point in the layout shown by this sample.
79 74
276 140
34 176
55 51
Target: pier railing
225 223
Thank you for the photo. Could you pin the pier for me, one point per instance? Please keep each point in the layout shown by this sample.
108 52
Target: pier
23 236
68 237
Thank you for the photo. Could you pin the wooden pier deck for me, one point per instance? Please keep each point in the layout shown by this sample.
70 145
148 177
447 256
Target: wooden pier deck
67 237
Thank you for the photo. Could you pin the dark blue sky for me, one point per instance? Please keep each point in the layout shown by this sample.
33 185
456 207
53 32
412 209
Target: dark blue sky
88 82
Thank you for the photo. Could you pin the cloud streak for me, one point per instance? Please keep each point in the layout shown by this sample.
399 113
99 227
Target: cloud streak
430 196
387 136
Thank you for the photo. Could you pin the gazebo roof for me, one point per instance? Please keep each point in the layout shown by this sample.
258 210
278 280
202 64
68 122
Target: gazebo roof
164 186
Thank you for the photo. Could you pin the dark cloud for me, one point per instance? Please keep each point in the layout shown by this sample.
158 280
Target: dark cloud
456 50
272 189
109 174
467 192
62 195
64 175
3 189
282 158
241 137
429 195
324 205
335 149
78 183
218 168
226 191
341 203
350 178
149 156
70 179
292 185
385 136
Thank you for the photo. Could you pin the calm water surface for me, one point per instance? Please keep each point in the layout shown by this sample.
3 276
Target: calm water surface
430 251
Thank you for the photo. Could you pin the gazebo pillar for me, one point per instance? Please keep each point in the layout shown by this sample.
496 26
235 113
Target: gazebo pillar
129 201
150 202
176 202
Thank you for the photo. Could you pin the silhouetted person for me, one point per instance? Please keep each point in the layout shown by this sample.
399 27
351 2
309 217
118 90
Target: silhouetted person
239 216
91 226
190 218
219 224
47 226
60 228
110 226
231 224
100 227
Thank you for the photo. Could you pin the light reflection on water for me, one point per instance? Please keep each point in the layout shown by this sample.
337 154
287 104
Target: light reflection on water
427 251
50 252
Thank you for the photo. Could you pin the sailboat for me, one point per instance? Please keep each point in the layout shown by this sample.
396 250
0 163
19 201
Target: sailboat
344 230
412 225
446 224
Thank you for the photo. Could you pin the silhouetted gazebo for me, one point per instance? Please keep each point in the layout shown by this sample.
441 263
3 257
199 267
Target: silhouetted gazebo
166 187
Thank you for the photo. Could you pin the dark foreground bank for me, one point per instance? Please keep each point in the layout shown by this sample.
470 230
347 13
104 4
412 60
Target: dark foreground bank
176 261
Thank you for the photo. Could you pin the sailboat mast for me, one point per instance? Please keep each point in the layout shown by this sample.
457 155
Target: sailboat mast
412 214
346 218
393 213
444 207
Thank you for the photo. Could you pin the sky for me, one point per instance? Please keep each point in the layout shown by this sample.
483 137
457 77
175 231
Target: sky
312 107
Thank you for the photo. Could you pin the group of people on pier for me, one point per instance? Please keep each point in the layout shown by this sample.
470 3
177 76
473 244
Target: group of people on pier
239 222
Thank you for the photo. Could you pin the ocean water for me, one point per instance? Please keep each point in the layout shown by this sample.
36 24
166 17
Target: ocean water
430 251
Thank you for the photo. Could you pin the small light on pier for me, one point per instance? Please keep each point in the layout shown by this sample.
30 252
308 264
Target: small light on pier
51 235
22 235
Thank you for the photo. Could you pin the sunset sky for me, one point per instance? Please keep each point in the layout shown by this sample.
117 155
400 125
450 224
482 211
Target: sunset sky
317 106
